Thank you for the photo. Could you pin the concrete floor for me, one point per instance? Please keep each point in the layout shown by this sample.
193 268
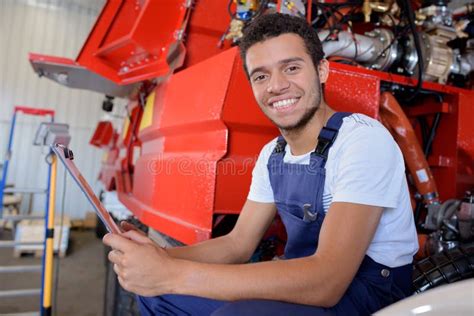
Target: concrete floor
81 278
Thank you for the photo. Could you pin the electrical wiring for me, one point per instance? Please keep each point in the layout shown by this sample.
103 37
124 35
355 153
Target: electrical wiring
406 7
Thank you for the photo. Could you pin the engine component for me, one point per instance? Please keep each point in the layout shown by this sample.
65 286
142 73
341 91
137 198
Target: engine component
435 15
395 120
108 104
373 49
468 8
438 56
392 49
245 11
294 7
442 214
464 64
465 215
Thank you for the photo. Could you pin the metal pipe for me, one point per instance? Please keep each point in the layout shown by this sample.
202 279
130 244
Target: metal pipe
25 190
367 48
3 180
17 218
48 256
12 243
362 48
15 269
17 293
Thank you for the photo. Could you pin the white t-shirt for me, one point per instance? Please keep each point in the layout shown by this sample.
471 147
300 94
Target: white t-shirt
364 166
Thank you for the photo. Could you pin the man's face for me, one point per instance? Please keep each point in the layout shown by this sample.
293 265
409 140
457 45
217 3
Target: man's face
284 80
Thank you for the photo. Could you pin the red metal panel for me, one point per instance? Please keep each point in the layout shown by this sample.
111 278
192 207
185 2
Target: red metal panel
102 135
51 59
205 30
465 144
389 77
444 149
347 90
34 111
131 40
249 131
181 149
108 170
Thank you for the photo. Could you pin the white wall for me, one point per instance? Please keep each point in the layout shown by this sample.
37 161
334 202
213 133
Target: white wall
52 27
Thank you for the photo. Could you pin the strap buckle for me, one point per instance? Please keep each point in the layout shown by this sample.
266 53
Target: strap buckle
326 138
280 145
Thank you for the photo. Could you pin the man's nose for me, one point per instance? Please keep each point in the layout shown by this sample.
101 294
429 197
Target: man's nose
278 83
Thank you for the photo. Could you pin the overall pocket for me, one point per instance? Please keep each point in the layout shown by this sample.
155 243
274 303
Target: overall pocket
303 233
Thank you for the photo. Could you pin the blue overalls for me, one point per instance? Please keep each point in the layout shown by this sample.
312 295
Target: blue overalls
298 191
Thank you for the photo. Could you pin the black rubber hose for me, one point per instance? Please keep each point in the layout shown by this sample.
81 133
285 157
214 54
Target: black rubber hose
411 22
444 268
434 127
424 130
417 214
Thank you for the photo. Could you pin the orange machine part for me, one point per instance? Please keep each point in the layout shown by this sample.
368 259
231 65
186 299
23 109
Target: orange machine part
103 134
395 120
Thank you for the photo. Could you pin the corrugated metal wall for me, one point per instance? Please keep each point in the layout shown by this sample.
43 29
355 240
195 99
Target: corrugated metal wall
54 27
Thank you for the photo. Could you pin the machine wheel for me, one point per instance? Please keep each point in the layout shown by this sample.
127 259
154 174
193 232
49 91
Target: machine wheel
443 268
117 301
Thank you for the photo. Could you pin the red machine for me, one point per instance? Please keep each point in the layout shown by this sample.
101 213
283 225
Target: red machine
184 158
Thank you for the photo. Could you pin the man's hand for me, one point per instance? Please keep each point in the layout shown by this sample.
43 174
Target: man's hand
126 226
142 266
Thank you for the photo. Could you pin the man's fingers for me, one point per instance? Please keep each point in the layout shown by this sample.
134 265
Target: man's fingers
137 236
127 226
118 242
115 256
117 269
130 227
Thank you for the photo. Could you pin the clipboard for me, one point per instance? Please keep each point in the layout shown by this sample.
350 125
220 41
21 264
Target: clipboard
66 156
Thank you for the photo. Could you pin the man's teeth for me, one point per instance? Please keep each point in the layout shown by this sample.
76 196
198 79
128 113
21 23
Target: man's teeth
283 103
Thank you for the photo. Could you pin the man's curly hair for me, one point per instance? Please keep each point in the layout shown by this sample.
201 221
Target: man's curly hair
272 25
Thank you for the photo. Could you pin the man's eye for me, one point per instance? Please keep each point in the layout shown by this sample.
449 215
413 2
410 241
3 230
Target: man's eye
292 69
259 78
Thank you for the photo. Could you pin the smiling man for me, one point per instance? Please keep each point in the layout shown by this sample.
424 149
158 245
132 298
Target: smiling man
337 181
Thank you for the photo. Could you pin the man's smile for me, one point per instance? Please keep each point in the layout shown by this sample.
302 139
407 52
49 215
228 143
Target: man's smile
285 104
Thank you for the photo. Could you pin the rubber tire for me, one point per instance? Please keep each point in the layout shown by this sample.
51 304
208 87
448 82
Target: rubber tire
443 268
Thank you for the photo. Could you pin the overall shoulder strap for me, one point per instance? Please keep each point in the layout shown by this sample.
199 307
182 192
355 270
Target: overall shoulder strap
328 134
280 145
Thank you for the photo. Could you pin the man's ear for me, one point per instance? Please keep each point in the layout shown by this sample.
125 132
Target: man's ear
323 70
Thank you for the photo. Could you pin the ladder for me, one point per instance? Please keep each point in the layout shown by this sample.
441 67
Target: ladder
18 217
